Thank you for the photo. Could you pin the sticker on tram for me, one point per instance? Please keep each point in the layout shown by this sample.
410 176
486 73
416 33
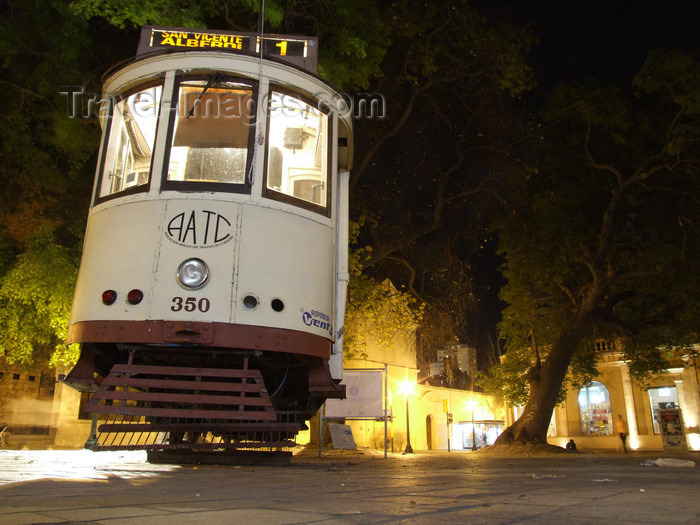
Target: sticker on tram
199 229
317 319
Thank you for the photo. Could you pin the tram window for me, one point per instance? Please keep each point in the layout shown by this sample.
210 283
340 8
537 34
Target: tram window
132 130
212 132
297 152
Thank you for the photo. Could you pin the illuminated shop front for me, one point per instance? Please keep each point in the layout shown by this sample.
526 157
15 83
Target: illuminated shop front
591 413
485 433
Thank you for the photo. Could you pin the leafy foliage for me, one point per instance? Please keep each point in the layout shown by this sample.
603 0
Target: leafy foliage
46 168
507 382
353 42
137 13
375 307
35 298
42 153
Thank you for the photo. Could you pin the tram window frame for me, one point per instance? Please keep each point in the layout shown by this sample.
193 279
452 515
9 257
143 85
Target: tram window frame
287 198
209 186
98 198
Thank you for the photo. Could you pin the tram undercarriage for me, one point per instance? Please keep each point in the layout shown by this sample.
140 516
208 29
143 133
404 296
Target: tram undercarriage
198 398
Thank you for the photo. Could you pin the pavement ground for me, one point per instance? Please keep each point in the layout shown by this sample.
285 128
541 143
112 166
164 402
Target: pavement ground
346 487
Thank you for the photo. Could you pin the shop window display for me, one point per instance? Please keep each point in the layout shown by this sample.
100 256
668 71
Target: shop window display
594 407
662 397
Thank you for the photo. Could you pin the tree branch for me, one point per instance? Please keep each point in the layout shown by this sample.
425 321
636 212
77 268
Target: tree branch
412 277
369 156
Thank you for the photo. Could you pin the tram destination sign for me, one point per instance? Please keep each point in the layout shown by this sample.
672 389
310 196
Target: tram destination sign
301 51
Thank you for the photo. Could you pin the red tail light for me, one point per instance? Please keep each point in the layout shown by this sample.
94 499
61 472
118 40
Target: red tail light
109 296
135 296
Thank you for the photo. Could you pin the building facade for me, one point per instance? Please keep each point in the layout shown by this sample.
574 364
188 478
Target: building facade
433 417
463 355
591 415
40 411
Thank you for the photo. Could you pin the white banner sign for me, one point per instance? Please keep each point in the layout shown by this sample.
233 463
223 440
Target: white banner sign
364 396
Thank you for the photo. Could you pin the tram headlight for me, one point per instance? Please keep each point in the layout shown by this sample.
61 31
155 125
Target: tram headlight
192 274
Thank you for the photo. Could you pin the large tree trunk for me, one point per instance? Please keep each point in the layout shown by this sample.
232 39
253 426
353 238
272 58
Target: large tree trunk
546 380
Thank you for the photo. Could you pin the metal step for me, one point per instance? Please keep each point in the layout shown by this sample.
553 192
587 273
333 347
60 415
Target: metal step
182 392
146 407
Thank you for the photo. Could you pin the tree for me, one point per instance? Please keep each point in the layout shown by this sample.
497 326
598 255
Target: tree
47 164
43 153
604 240
35 298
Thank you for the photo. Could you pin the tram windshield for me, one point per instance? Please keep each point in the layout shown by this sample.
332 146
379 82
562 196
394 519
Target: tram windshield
297 152
131 135
212 132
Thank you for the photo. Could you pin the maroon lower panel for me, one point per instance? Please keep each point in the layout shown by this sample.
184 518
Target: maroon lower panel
221 335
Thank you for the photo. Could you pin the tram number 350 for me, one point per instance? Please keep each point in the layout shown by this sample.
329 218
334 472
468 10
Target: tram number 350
190 304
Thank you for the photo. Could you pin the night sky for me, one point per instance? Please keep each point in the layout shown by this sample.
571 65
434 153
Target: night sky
604 39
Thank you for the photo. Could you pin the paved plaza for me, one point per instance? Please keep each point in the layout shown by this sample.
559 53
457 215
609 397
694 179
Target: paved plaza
361 487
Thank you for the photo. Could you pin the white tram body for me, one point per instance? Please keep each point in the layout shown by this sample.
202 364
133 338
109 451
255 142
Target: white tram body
211 291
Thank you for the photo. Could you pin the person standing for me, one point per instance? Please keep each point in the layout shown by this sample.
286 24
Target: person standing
622 431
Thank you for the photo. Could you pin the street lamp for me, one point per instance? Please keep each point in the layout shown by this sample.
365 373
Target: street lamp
406 389
472 406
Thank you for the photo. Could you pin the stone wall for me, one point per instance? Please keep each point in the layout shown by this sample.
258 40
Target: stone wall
27 405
